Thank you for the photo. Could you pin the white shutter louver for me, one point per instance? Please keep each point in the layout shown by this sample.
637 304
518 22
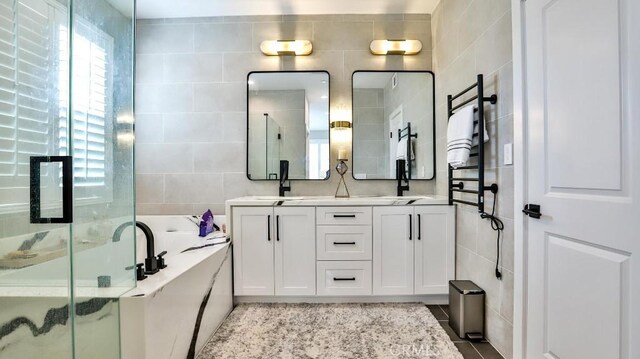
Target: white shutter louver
34 84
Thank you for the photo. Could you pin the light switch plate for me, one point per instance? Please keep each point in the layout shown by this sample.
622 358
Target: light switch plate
508 154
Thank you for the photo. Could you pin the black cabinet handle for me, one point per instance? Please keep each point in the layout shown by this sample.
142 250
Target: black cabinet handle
344 216
343 279
278 228
410 227
352 243
268 227
67 189
419 228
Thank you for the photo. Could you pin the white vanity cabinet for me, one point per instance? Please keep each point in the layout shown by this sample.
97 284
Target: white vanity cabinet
434 249
392 250
413 249
295 251
253 256
274 253
383 248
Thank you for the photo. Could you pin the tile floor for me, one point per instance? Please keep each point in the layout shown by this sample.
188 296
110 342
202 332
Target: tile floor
469 350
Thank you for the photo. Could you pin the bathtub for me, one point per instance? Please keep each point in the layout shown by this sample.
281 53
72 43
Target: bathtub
172 313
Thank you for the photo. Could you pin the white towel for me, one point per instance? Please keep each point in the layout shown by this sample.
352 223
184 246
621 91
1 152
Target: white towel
460 136
401 150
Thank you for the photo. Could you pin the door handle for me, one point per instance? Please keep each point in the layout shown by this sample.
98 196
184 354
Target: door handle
278 228
269 227
419 228
532 210
410 227
35 206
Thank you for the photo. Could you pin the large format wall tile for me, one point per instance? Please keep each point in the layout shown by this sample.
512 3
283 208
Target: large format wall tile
191 99
470 38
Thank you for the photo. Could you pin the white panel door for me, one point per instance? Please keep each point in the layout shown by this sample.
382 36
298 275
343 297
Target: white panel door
393 250
582 273
253 250
295 250
434 249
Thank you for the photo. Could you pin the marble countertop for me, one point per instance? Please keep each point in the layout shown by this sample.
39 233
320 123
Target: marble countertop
332 201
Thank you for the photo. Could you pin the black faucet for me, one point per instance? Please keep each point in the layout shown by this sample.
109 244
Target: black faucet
284 177
401 175
152 263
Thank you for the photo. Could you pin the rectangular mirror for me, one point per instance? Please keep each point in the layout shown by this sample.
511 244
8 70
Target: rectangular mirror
393 118
288 120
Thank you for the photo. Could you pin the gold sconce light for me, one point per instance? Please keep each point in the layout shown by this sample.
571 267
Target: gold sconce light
395 47
340 125
286 47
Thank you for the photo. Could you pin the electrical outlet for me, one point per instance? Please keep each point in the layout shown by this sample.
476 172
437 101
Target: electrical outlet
508 154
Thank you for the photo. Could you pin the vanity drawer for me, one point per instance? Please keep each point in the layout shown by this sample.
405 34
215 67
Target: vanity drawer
344 278
343 215
346 243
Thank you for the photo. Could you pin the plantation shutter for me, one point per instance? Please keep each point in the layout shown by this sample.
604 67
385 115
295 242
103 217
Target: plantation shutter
92 111
27 96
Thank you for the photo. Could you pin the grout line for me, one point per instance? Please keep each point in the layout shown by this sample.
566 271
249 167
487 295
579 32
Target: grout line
476 349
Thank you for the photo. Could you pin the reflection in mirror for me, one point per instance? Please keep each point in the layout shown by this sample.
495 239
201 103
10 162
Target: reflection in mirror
288 120
393 118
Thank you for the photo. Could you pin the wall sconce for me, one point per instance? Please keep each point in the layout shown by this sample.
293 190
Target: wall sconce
340 125
286 47
395 47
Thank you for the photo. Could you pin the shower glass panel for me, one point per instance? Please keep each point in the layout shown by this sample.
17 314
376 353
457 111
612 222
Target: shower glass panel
272 156
66 176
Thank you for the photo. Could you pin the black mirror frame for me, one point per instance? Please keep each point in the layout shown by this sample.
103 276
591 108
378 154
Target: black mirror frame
328 124
434 124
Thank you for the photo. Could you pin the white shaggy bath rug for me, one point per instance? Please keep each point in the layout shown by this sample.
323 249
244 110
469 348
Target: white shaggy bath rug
335 331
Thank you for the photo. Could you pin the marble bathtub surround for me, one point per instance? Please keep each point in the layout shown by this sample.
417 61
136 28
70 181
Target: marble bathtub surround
191 99
187 300
471 38
53 317
391 330
203 305
35 324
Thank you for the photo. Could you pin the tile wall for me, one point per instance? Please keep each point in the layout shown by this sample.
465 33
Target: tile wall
470 38
191 99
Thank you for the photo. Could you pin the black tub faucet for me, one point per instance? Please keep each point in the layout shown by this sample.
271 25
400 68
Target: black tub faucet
284 177
151 262
401 175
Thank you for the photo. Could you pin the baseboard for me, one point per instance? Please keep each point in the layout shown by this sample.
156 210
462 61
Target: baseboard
426 299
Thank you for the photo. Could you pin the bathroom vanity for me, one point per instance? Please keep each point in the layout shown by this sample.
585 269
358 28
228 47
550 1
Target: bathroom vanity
315 248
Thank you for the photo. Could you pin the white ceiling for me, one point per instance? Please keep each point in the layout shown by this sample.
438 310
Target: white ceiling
149 9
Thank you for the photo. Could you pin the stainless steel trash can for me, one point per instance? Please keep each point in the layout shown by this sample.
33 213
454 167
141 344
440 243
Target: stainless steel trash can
466 309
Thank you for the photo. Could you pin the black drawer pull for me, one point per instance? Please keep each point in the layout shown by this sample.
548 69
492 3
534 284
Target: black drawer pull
343 279
269 227
352 243
344 216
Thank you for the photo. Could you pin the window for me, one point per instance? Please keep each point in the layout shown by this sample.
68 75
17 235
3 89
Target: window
318 161
92 110
34 77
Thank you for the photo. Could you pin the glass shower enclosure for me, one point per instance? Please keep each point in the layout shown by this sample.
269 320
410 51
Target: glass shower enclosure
66 176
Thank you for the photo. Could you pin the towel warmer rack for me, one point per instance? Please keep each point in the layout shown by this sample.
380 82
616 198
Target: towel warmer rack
459 186
409 135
